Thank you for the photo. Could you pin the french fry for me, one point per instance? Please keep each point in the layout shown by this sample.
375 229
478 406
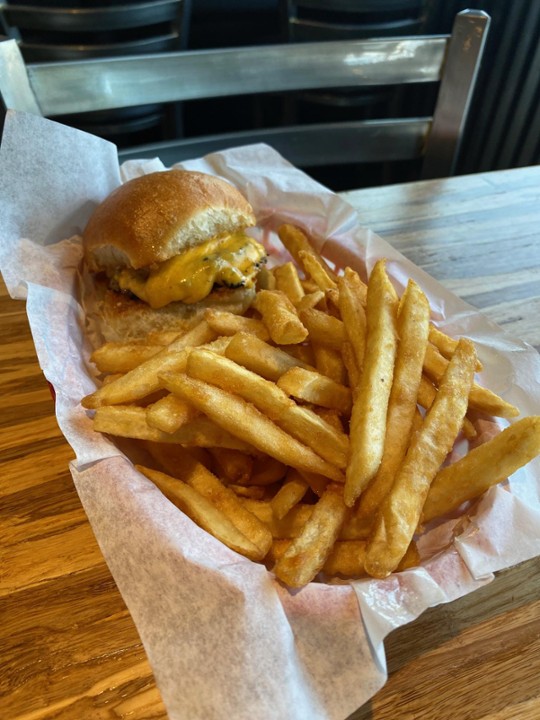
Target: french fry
164 337
400 511
169 457
304 353
316 388
306 555
223 322
346 557
445 344
295 240
301 423
329 362
116 357
203 512
352 301
256 355
310 300
355 528
170 413
255 492
480 398
144 379
266 471
351 365
289 526
111 378
290 494
244 420
322 328
197 476
317 270
426 395
317 483
232 466
370 404
413 331
280 317
129 421
484 466
288 282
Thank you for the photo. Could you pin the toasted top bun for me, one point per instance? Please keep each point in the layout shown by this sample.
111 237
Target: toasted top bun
154 217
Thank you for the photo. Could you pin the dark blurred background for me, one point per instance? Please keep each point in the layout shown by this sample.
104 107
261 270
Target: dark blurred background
502 131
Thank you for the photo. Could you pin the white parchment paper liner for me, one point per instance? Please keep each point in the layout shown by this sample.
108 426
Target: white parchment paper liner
223 637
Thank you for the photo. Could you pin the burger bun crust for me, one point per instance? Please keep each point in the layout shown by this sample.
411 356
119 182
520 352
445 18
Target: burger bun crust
154 217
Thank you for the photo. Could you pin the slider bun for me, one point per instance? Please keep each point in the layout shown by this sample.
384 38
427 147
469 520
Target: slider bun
155 217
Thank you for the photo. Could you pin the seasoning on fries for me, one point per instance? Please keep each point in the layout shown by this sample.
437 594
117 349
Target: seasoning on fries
311 431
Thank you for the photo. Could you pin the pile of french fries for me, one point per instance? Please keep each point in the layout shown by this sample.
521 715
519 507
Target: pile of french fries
312 434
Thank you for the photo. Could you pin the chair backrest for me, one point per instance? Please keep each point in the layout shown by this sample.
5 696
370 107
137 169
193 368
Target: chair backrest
51 89
53 31
308 20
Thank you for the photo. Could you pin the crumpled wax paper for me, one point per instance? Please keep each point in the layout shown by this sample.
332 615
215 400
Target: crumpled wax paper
223 637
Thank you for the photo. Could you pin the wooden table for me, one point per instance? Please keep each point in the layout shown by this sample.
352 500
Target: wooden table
68 646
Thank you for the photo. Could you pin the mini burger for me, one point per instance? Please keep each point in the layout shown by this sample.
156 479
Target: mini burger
162 248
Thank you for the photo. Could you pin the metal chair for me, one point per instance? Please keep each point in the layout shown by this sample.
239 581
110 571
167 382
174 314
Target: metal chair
51 89
309 20
54 31
59 30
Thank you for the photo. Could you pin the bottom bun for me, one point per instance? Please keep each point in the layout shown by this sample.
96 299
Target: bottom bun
117 317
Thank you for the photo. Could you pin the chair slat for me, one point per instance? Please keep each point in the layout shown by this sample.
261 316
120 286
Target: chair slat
343 143
63 88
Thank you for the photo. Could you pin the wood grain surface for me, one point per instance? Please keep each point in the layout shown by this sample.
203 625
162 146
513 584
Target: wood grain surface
68 647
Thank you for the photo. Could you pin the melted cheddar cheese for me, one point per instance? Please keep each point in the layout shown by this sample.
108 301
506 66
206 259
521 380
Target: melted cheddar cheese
230 260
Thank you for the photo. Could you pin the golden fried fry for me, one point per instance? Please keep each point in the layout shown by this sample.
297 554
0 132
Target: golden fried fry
227 323
323 329
316 388
301 423
170 413
117 357
352 301
306 555
280 317
129 421
349 360
288 282
232 466
329 362
144 379
480 398
267 361
296 241
413 330
244 420
290 494
203 512
310 300
197 476
399 514
266 471
316 269
368 420
484 466
426 395
445 344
